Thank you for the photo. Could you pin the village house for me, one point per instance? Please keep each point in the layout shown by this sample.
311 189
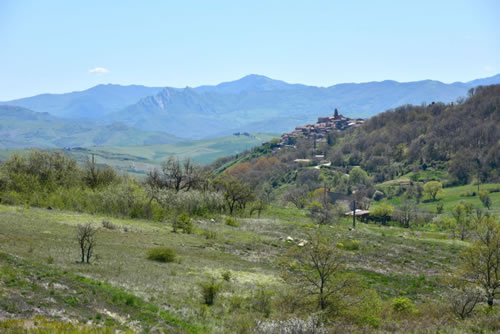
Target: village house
319 130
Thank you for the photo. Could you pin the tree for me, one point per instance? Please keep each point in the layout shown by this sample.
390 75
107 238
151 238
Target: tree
181 176
95 176
484 196
86 238
481 261
321 213
258 206
383 212
405 213
462 216
358 176
464 298
297 196
234 192
315 270
432 189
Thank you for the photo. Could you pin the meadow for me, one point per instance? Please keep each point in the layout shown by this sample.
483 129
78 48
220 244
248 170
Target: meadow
121 289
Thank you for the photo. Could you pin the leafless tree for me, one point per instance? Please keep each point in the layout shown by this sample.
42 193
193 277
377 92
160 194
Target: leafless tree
86 237
464 299
314 270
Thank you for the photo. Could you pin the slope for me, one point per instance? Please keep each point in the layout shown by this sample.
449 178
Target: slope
20 127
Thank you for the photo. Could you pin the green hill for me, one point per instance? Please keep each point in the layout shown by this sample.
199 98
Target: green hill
20 127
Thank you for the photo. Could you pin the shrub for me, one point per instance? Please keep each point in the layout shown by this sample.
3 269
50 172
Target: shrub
108 224
293 325
232 222
350 245
403 305
226 275
439 208
209 234
261 302
162 254
184 223
209 291
484 196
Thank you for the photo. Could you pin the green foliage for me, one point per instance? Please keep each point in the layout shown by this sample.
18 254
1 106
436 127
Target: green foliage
226 275
403 305
439 208
358 176
432 189
262 301
236 194
382 211
209 291
162 254
183 222
350 245
230 221
484 196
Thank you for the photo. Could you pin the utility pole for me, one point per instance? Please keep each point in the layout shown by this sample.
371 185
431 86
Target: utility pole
353 213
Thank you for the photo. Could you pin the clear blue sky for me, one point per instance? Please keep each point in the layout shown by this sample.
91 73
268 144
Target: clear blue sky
51 46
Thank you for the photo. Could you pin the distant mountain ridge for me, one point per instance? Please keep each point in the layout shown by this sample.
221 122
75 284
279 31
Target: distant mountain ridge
21 127
94 102
253 103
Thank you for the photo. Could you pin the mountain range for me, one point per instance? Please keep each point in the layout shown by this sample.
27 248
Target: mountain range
253 103
22 128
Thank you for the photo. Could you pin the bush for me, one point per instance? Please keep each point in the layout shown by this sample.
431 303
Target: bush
439 208
184 223
484 197
226 275
108 224
293 325
209 291
350 245
232 222
261 302
162 254
209 234
403 305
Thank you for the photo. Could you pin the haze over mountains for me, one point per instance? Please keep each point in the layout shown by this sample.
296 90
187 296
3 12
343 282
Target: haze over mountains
253 103
20 128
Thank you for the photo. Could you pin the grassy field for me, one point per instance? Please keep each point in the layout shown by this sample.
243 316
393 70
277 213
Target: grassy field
451 196
140 159
39 262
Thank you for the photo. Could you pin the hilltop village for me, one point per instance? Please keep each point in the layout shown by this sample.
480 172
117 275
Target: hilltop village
319 130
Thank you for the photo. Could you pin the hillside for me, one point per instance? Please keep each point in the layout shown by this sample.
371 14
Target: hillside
138 160
455 143
21 128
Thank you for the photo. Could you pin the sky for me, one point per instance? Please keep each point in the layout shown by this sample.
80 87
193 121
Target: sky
61 46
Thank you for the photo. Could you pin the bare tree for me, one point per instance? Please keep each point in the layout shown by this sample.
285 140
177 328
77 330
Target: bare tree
405 213
179 176
86 237
297 196
464 299
314 270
